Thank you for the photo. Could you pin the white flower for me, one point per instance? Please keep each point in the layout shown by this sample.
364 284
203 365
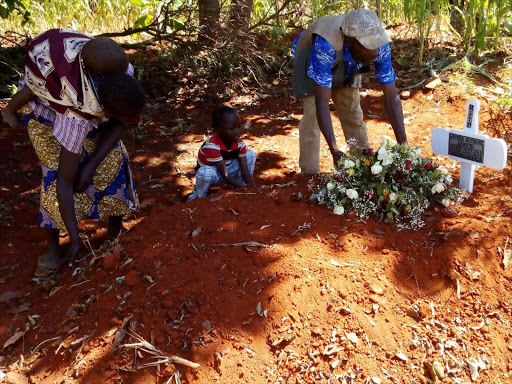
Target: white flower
392 197
386 140
330 185
352 194
438 188
446 202
448 179
339 210
376 168
417 152
385 156
349 163
344 148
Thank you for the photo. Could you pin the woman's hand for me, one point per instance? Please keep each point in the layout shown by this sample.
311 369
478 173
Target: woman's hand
11 118
84 178
72 252
21 98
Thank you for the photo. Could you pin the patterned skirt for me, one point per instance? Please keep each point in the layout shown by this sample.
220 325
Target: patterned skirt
111 193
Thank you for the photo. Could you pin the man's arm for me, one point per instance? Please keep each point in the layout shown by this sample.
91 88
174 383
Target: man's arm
395 112
110 134
223 170
323 115
244 169
68 167
386 76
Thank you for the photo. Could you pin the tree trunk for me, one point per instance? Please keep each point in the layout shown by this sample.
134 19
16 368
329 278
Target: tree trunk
209 15
240 14
379 9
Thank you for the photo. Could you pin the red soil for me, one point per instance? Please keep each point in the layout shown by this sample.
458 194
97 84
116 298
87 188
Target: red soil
252 314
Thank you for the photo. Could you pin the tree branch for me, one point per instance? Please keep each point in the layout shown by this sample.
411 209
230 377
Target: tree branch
158 29
129 31
141 45
271 17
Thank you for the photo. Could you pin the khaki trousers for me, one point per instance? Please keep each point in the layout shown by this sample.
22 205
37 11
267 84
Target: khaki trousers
347 104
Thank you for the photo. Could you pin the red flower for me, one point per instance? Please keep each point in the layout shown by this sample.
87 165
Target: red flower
408 164
398 175
428 166
339 178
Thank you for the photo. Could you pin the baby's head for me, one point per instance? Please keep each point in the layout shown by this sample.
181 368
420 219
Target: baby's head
226 123
121 97
103 55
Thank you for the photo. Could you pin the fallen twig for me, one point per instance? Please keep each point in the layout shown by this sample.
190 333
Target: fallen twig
245 243
147 347
189 211
36 349
272 186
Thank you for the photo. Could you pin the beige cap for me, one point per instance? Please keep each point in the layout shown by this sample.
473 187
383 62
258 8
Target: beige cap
365 26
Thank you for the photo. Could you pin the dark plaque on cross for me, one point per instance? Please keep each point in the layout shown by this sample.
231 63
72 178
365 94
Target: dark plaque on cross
465 147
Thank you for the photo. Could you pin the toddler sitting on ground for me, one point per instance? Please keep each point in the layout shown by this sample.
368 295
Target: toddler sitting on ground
224 157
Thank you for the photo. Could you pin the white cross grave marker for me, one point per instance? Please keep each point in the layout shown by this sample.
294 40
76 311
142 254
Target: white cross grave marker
469 147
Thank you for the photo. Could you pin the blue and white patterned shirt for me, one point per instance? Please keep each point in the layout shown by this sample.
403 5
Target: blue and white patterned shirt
323 58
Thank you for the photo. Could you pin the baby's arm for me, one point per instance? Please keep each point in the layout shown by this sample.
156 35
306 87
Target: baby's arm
21 98
246 175
223 170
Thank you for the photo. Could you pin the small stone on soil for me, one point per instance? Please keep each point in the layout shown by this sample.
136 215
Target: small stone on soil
132 278
377 289
111 261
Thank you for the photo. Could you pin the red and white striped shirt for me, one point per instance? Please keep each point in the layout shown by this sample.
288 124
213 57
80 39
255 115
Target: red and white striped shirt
214 150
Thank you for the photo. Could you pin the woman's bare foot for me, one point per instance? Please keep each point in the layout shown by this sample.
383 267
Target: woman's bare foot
50 261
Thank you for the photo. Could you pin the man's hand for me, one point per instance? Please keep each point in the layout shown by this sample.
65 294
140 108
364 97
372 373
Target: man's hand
84 178
11 118
336 156
323 115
